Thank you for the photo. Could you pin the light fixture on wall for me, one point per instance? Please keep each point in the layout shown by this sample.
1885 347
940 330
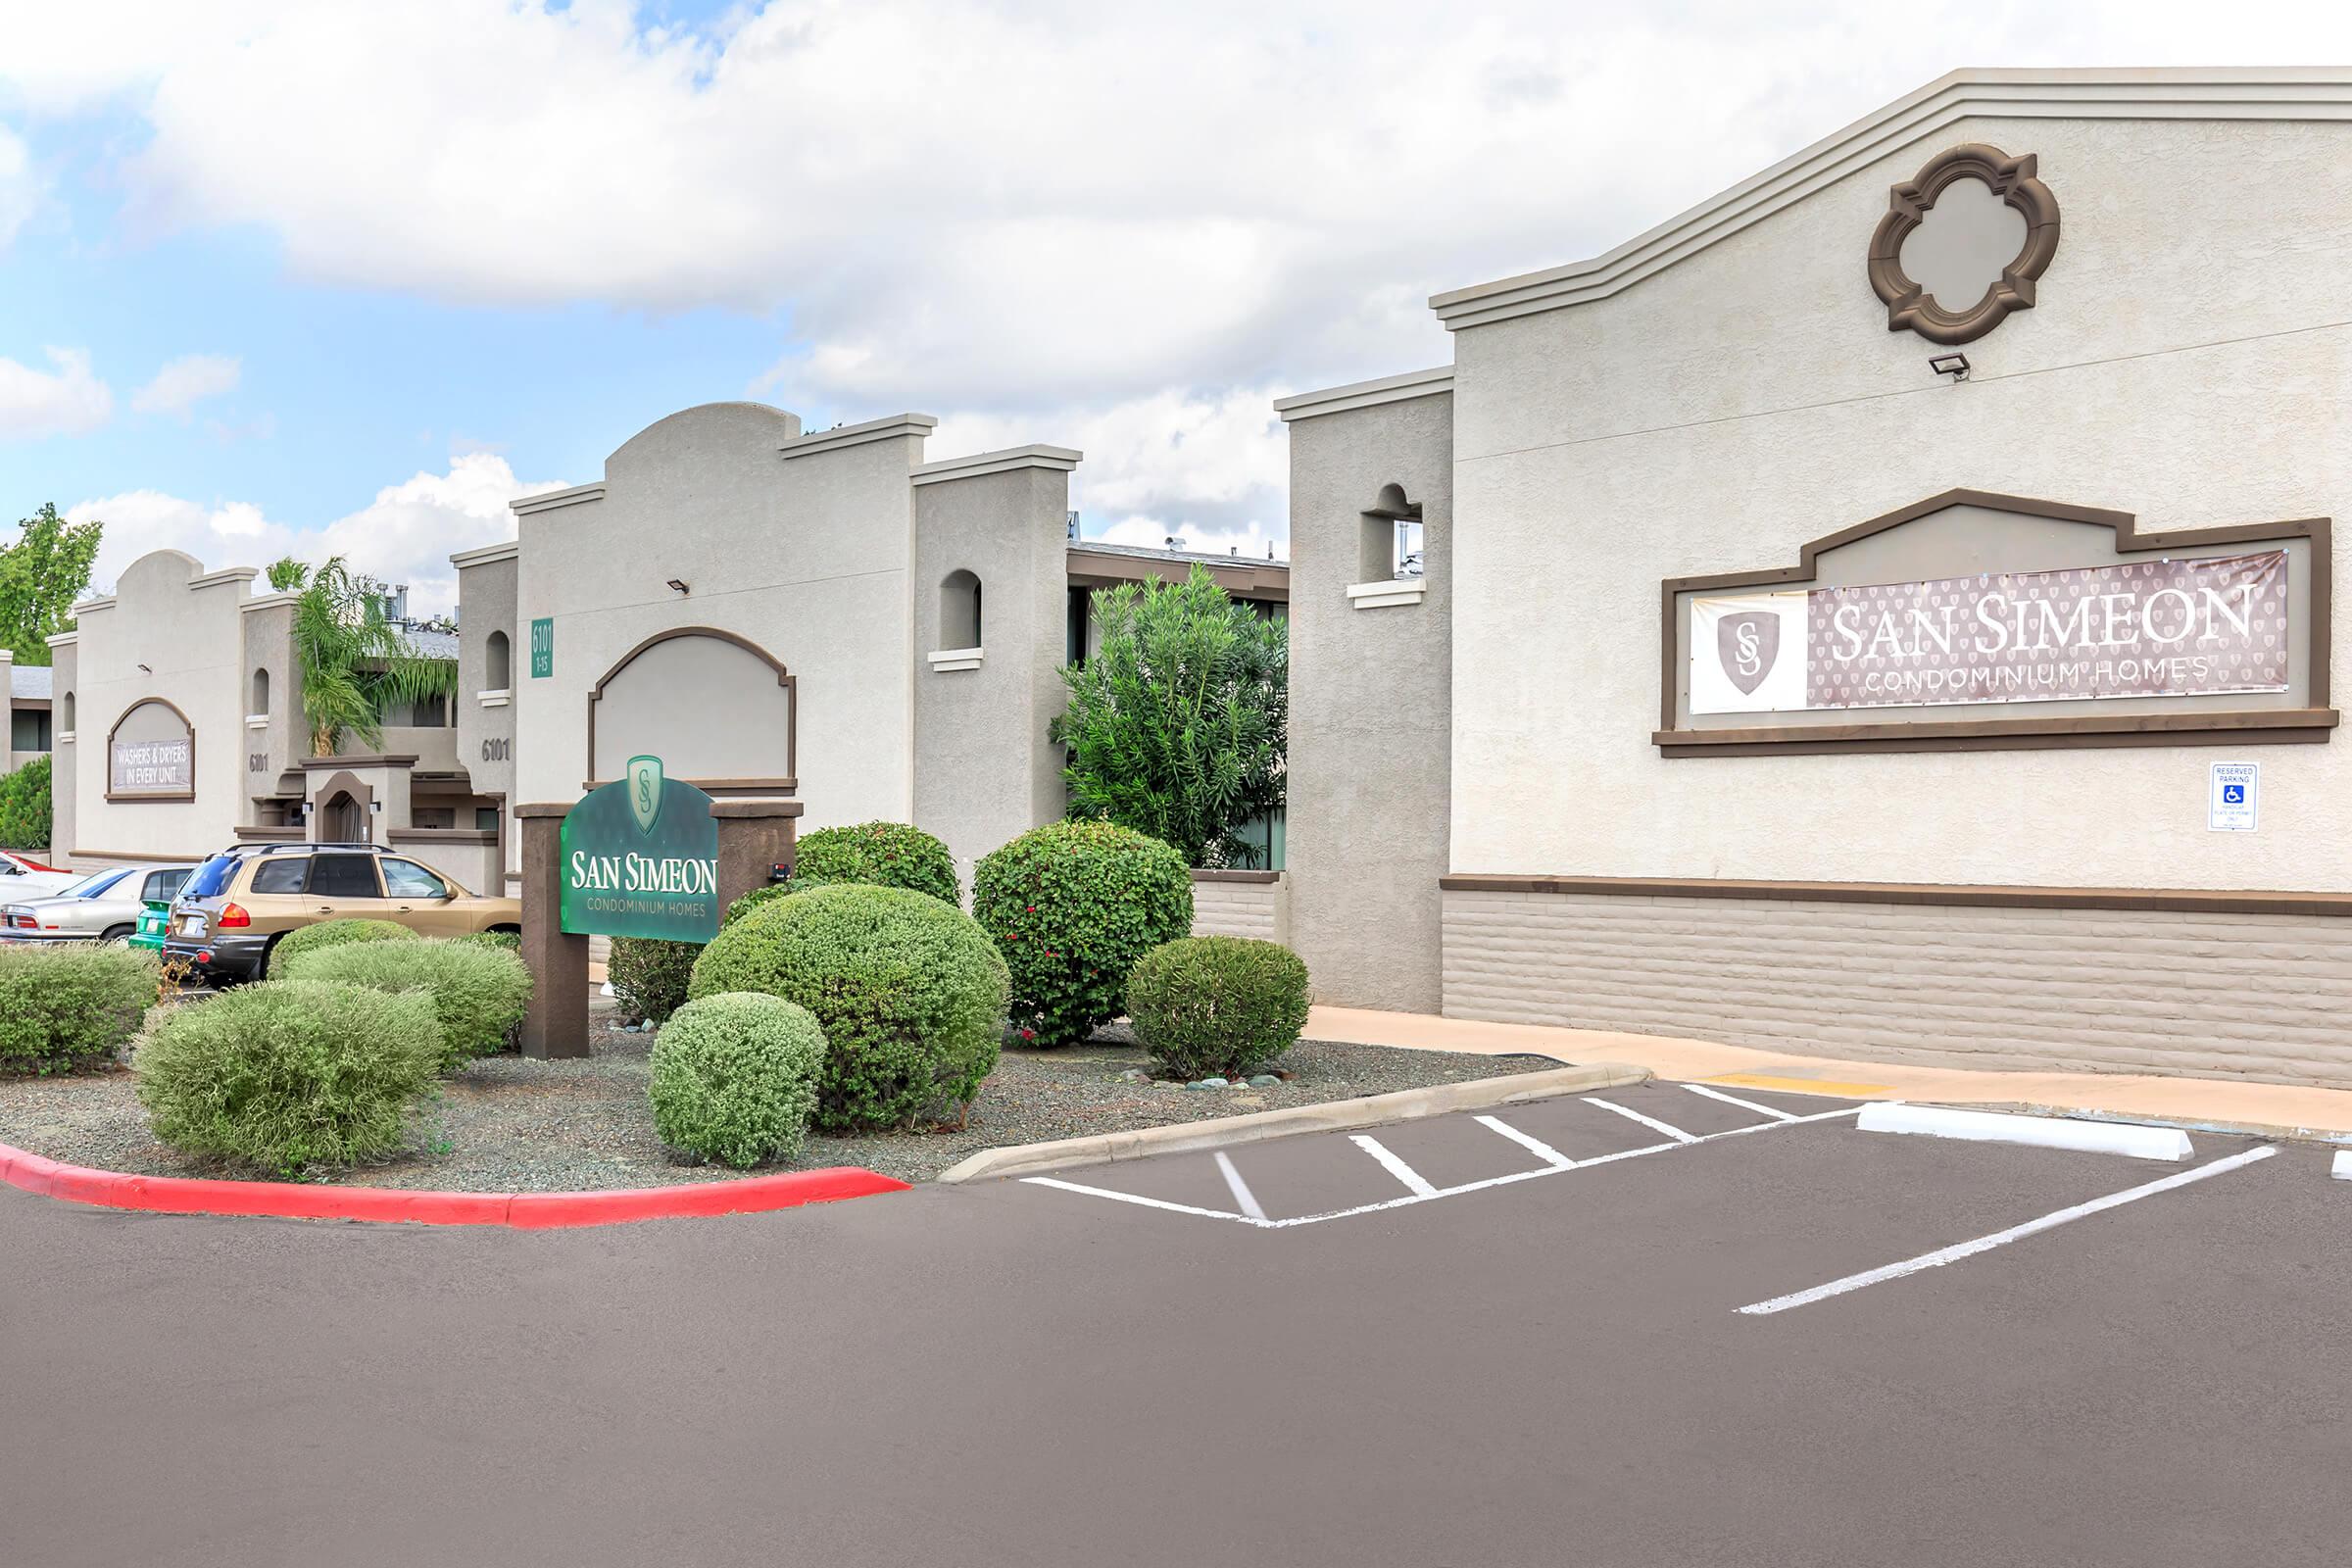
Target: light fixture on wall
678 586
1954 365
144 670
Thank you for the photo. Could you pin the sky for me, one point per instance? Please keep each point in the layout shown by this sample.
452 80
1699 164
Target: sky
346 277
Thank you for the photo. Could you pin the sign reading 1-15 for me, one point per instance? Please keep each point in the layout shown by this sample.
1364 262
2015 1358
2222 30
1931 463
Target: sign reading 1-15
639 857
543 648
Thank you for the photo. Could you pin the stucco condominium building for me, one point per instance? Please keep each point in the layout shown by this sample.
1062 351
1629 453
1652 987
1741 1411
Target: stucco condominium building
825 615
1883 610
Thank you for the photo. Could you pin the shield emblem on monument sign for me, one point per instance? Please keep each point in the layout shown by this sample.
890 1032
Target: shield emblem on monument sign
645 791
1748 644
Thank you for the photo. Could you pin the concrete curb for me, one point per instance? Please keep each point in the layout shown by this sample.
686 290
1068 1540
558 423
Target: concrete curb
181 1195
1996 1127
1406 1105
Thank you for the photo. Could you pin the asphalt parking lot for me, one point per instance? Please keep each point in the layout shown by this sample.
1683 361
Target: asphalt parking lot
1464 1340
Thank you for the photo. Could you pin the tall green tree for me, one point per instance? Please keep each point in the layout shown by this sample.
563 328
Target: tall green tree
41 574
356 666
1178 727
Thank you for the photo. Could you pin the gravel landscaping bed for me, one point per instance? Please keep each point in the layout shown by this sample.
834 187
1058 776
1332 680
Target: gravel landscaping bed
510 1124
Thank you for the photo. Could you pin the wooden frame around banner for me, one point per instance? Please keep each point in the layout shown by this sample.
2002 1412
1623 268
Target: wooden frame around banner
2246 726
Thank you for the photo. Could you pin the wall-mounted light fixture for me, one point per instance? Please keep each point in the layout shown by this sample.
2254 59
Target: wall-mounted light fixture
678 586
144 670
1954 365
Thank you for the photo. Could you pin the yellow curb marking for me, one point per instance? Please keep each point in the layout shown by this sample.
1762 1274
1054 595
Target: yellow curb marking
1800 1086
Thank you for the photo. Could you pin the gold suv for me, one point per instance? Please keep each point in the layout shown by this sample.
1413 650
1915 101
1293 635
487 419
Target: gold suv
234 910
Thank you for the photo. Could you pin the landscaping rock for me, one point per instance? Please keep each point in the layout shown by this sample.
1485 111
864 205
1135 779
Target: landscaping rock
1263 1080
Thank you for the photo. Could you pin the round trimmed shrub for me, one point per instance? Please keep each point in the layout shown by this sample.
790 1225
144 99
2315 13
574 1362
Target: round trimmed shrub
889 854
479 992
330 934
648 975
734 1078
1217 1006
70 1006
907 990
1072 906
289 1074
768 893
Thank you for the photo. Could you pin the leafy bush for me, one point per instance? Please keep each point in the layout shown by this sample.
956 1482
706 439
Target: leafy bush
1072 906
291 1073
648 976
735 1076
479 992
763 896
889 855
1217 1006
330 934
69 1007
25 822
908 991
504 941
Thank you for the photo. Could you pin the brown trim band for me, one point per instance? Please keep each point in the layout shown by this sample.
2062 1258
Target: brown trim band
361 759
2248 726
2178 901
137 855
1202 874
441 835
274 834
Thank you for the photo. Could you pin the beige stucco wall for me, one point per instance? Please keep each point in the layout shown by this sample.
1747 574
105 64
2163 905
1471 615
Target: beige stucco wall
1370 697
167 614
984 772
281 743
65 654
486 598
808 557
1715 416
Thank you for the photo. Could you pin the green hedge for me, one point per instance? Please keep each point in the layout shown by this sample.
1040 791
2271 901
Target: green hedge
330 934
1225 1006
290 1074
908 991
479 992
734 1078
69 1007
648 975
25 820
1072 906
889 854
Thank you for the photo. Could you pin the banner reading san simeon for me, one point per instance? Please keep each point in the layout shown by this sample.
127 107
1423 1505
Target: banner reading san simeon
640 858
2150 628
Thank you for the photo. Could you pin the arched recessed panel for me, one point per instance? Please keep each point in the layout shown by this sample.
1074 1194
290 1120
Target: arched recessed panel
499 662
717 708
261 693
151 754
959 611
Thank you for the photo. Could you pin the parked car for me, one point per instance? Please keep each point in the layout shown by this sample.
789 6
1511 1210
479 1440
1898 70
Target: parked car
237 904
102 906
22 877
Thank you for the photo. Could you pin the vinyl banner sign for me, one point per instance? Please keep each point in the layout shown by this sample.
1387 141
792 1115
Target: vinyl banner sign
151 768
2148 628
639 857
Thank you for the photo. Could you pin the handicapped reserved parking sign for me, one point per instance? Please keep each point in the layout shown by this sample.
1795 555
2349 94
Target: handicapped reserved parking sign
2233 796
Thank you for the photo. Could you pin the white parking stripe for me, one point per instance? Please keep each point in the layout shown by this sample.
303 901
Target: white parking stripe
1774 1112
1242 1199
1985 1244
1650 1122
1534 1146
1134 1198
1414 1181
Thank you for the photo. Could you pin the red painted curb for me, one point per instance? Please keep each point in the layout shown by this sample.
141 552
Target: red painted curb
182 1195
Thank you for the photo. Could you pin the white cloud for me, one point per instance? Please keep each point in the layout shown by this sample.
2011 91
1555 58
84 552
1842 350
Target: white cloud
186 382
404 535
21 187
65 400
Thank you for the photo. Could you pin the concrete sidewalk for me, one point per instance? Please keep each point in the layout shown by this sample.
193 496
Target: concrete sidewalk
2272 1109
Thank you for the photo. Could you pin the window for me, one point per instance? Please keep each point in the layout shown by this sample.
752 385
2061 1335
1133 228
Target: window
281 874
98 884
343 876
498 663
1391 546
212 878
260 694
405 879
485 819
162 884
959 611
68 712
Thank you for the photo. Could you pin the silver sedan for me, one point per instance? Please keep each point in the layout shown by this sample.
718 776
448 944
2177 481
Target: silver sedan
103 906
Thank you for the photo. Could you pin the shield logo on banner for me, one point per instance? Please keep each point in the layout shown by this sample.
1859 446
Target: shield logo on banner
1748 644
645 791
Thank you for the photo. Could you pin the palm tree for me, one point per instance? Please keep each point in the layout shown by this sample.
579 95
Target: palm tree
356 666
286 574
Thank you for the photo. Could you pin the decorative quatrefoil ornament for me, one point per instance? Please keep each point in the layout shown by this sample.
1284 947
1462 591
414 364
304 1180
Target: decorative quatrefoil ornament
1951 258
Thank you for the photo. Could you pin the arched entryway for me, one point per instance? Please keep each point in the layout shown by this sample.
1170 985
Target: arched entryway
344 821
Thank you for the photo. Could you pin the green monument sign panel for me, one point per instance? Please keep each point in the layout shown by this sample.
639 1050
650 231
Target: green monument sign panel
639 857
543 648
